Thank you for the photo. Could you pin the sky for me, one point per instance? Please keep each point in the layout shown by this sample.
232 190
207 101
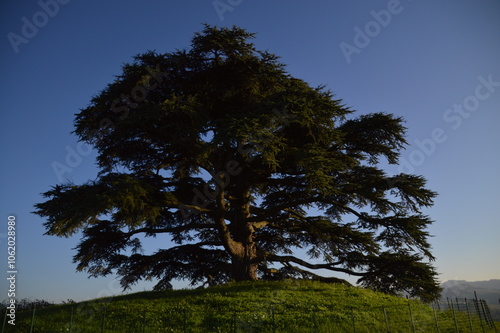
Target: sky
434 63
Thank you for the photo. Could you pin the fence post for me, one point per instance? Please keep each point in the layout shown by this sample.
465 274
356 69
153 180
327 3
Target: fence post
33 319
4 319
458 308
386 321
478 308
454 315
468 315
436 319
487 314
438 306
411 318
71 321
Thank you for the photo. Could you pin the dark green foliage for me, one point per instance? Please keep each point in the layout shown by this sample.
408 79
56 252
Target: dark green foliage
238 163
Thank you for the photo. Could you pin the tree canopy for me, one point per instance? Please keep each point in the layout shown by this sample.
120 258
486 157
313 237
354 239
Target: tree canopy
244 172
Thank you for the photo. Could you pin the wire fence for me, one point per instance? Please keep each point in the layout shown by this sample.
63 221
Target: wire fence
452 315
478 313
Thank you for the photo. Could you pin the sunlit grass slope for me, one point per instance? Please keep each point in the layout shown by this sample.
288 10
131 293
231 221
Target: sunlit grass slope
285 306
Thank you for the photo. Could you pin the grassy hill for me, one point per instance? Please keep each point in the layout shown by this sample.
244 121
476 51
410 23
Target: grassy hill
286 306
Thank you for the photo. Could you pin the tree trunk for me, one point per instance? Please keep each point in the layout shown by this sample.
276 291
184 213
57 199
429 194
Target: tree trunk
238 236
244 262
245 266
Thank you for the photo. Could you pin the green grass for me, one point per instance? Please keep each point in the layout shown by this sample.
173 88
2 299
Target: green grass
286 306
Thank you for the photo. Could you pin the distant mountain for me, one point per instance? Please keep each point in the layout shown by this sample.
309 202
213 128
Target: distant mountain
487 290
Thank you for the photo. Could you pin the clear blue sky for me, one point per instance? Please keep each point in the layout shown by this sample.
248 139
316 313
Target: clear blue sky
436 63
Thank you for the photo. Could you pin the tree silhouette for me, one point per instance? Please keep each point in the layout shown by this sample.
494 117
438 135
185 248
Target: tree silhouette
238 166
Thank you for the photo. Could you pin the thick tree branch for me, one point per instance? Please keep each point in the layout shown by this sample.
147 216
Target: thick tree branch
225 234
198 245
329 266
306 274
181 228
